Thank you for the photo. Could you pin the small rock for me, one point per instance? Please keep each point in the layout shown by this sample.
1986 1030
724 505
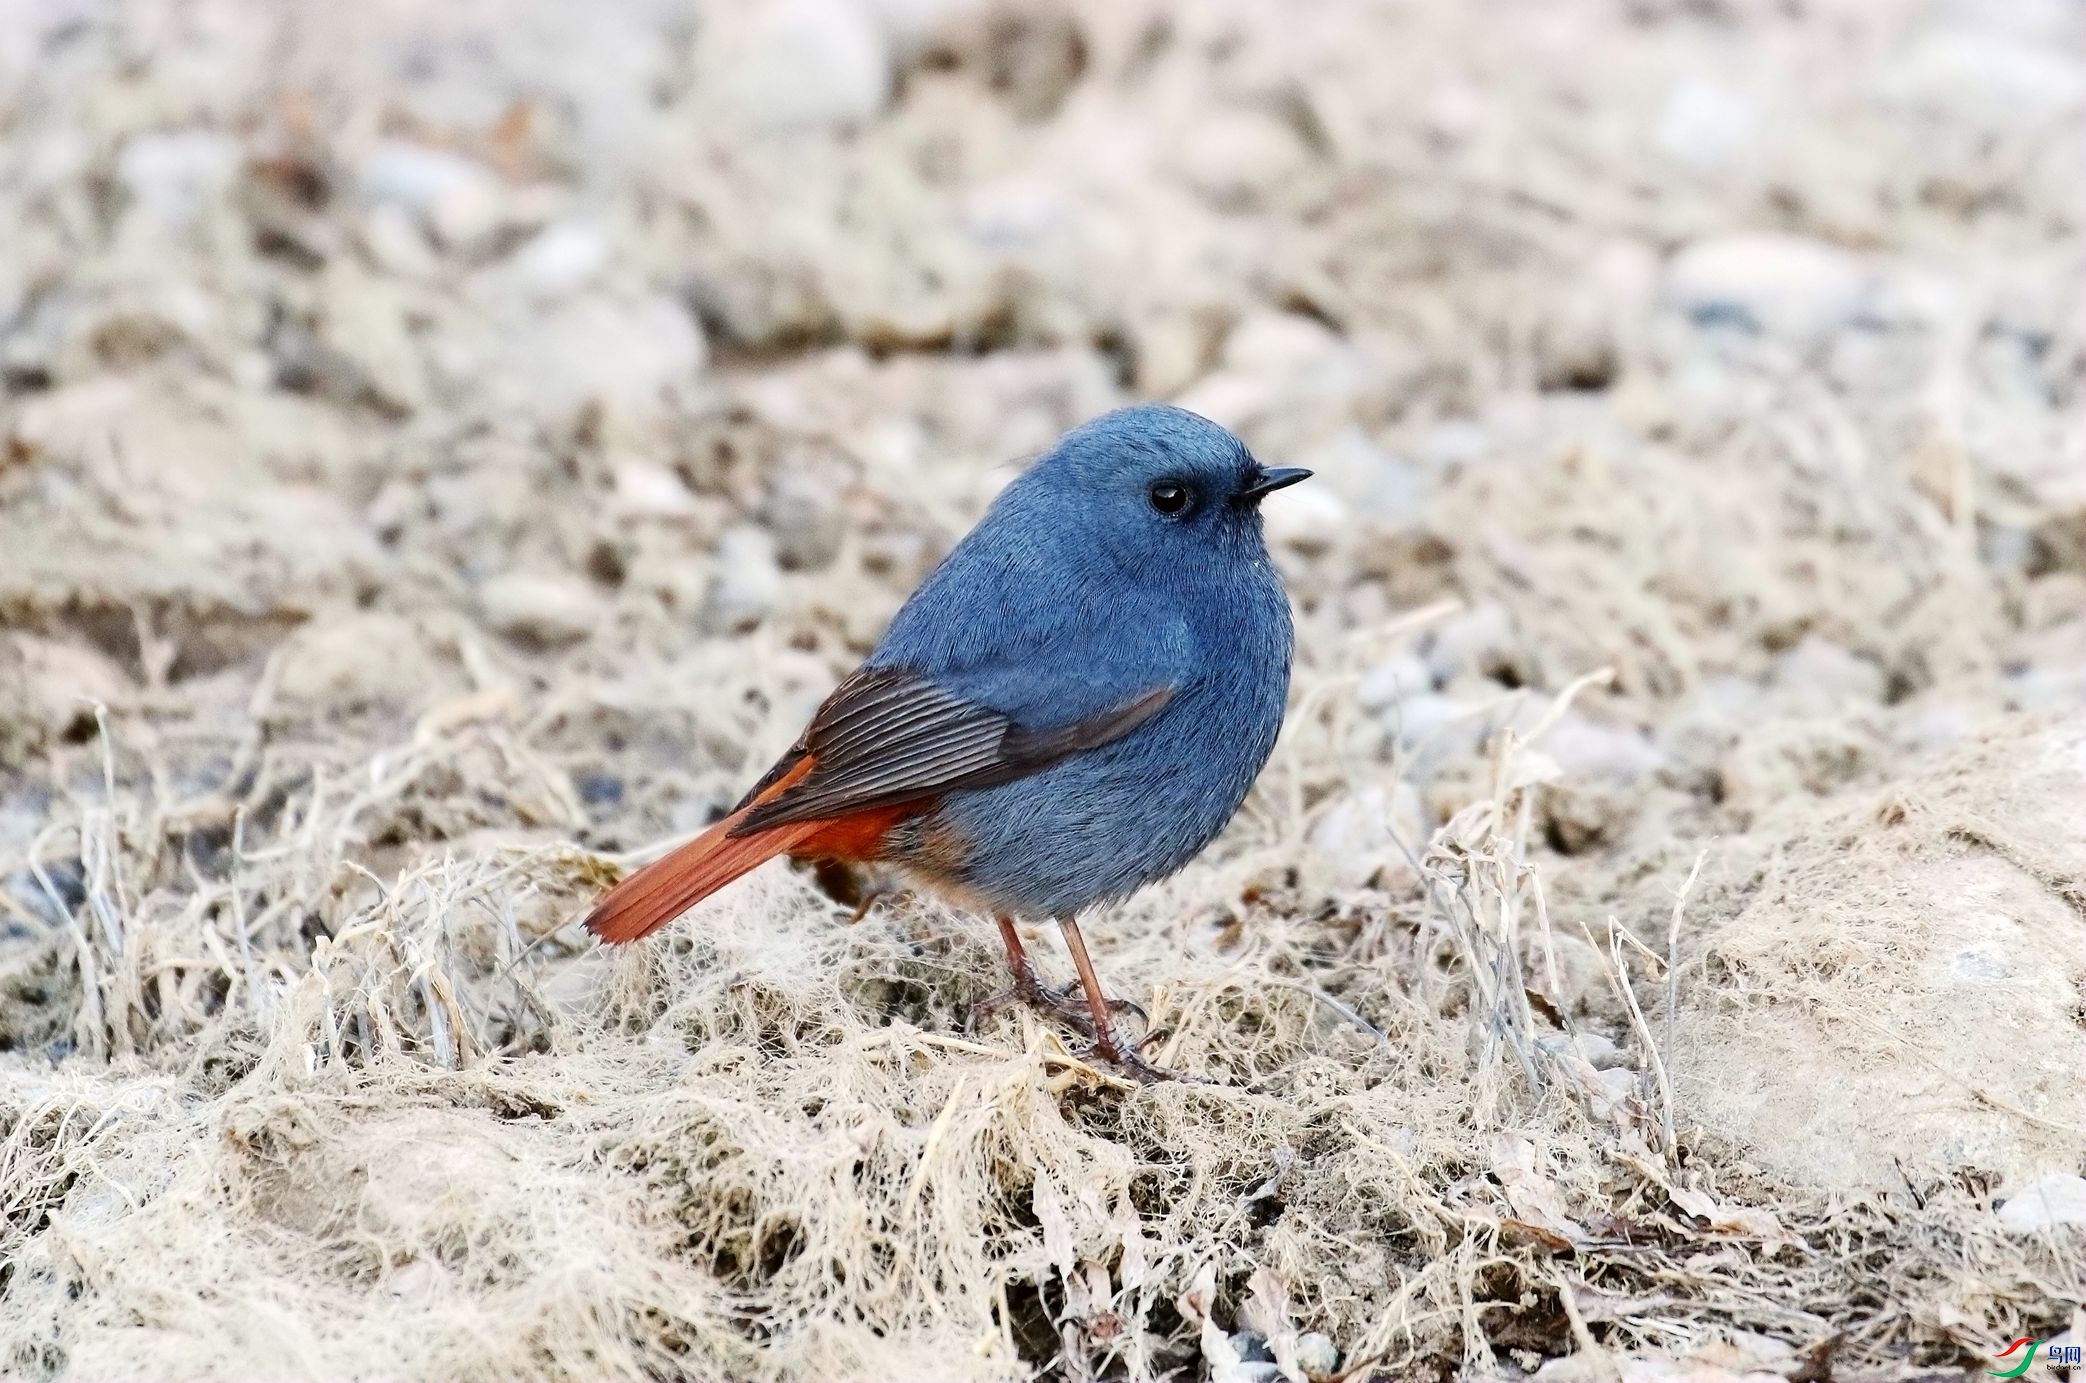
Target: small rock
1600 1052
748 580
174 175
1704 124
1307 518
2059 1199
1279 343
1787 286
395 241
458 198
1355 837
1618 1084
1994 76
632 356
805 515
1174 349
1586 339
796 64
1317 1356
560 258
1456 442
366 659
1478 639
1239 158
1372 481
546 608
1823 674
1392 680
362 319
1587 749
646 490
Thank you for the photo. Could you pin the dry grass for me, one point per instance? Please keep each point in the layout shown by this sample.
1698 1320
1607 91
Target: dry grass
1652 951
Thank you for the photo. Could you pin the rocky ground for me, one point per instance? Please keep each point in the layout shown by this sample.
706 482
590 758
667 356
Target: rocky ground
446 451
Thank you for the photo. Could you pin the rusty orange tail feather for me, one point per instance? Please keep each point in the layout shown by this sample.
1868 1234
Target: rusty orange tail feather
674 883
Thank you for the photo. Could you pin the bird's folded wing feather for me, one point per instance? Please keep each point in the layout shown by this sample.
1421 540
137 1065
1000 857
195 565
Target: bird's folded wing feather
890 735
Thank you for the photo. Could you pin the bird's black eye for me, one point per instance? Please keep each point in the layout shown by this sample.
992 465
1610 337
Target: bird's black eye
1169 497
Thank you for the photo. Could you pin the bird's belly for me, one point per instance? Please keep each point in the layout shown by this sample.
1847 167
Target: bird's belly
1102 825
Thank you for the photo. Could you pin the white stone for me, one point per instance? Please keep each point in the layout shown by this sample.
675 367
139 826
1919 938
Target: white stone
397 244
560 258
1483 633
1821 673
1307 516
748 579
632 356
175 174
1317 1356
2059 1199
1372 481
2003 78
1786 286
1397 677
546 607
419 178
794 64
1356 836
1585 748
1704 124
1278 343
1237 157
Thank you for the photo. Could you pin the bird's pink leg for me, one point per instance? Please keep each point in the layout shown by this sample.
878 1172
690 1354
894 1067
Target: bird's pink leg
1027 989
1125 1057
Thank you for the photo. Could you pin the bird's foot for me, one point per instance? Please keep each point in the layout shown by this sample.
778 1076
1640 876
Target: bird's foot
1026 989
1128 1057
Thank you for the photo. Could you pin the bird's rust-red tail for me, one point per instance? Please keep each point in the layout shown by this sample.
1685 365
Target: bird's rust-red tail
674 883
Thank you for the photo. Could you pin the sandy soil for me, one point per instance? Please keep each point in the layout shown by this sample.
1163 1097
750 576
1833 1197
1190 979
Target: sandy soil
445 451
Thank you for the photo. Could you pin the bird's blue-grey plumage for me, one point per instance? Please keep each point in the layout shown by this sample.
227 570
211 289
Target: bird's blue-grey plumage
1073 596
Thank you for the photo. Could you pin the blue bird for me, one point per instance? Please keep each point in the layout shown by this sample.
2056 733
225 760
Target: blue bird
1071 706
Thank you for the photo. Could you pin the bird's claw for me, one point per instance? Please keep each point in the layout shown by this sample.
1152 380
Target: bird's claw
1026 990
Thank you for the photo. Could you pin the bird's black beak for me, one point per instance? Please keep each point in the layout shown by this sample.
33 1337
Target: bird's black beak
1270 481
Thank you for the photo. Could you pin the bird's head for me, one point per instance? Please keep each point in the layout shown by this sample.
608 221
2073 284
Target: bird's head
1160 483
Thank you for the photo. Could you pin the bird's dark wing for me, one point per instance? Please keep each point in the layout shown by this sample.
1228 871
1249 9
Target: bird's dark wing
889 735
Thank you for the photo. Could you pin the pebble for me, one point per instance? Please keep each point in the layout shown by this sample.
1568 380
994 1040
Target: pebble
1824 674
1239 158
802 64
1599 1052
1585 748
175 174
395 241
1704 124
1355 836
748 580
2001 78
1470 640
366 659
1780 285
362 318
561 258
805 515
427 180
1375 483
547 608
1307 518
1399 676
2058 1199
632 355
1317 1356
